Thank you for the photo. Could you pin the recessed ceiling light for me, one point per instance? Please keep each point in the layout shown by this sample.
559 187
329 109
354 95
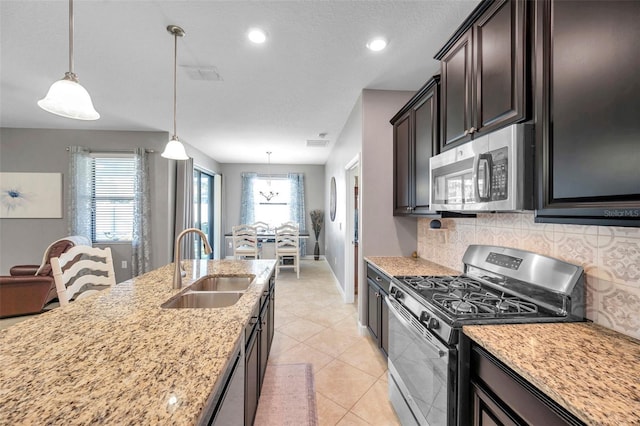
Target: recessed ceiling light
257 36
377 44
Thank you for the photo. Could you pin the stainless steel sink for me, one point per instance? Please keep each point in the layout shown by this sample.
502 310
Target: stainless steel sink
204 300
222 283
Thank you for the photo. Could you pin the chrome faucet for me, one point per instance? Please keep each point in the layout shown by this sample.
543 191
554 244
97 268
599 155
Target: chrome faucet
177 271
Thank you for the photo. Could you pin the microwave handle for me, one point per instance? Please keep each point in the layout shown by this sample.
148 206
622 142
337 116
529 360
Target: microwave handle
486 161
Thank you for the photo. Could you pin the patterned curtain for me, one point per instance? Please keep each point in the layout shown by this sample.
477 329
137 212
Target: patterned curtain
79 192
141 241
247 213
184 206
296 180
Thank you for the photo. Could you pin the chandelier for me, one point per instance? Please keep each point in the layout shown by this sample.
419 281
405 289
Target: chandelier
268 195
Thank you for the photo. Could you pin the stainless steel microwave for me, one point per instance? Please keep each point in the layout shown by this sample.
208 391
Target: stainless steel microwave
491 173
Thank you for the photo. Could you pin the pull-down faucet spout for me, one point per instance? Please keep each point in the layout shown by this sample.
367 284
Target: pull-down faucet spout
177 271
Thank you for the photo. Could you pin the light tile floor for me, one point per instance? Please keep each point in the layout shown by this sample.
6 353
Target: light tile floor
314 325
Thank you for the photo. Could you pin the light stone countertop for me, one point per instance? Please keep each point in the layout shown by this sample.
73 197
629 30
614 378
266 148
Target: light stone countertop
119 358
591 371
395 266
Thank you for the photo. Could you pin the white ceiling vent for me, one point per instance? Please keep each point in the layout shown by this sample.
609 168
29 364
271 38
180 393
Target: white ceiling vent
317 143
203 73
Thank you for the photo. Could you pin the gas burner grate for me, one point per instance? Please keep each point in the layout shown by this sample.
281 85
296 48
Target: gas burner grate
484 304
441 283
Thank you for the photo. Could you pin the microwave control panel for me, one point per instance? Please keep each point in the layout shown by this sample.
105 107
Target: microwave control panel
500 174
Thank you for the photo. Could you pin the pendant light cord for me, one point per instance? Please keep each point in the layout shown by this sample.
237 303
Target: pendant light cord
175 79
71 36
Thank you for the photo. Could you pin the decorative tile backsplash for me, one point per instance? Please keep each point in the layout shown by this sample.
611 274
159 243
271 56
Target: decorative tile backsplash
610 257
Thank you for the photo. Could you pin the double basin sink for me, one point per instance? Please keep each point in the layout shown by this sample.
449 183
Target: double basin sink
212 291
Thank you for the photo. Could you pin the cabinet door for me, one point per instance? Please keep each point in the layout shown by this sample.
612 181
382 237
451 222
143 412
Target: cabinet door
499 56
384 325
402 165
232 398
373 319
425 142
456 101
252 379
271 318
264 341
486 412
588 98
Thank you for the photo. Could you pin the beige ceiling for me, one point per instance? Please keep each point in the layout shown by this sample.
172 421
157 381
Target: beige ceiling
274 97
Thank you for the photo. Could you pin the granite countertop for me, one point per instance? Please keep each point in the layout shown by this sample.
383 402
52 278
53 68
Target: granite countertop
394 266
591 371
119 358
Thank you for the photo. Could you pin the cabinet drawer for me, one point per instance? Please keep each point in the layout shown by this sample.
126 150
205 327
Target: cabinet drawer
378 278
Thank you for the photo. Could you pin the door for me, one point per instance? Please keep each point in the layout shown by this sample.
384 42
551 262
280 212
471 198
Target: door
425 142
352 255
355 235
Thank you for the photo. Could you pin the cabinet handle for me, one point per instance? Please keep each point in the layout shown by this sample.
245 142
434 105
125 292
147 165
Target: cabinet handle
379 279
466 132
473 130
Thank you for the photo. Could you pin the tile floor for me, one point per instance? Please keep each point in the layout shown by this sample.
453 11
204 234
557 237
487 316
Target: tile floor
314 325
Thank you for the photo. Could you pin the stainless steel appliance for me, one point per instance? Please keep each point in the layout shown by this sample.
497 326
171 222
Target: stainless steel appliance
427 365
491 173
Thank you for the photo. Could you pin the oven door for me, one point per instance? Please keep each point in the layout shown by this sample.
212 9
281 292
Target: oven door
422 379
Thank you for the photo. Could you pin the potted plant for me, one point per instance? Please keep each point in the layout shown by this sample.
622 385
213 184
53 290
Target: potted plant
317 220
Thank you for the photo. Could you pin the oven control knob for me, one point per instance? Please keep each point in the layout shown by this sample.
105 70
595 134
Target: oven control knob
433 324
429 321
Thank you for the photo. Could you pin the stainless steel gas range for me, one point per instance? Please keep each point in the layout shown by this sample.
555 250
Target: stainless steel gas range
428 367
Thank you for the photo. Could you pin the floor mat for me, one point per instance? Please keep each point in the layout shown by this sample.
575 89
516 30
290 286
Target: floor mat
288 396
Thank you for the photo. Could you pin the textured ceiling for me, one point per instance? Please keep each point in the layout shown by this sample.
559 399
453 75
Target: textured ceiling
273 97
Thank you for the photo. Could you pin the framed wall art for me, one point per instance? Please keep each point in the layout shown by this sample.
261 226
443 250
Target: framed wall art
31 195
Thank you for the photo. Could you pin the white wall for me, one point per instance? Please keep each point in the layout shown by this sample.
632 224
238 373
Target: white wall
368 131
383 234
314 182
23 241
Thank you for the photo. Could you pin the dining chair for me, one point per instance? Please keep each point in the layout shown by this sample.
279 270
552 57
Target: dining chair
245 242
287 245
291 223
81 272
261 227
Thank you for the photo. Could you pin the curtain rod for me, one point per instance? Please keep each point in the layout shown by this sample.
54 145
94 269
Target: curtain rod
107 151
273 175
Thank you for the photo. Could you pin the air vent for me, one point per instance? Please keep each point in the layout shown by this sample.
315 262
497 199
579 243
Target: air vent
203 73
317 143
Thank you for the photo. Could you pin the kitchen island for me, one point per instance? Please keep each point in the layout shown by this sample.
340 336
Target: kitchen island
119 358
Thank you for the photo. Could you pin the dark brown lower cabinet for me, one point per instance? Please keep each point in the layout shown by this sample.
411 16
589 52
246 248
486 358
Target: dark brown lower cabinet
259 335
499 396
377 310
252 376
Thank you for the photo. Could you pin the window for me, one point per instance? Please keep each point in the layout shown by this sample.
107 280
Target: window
202 210
272 198
112 197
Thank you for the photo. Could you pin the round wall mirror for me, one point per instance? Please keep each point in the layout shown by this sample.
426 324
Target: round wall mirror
332 200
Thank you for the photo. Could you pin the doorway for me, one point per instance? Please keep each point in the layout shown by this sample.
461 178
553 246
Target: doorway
352 250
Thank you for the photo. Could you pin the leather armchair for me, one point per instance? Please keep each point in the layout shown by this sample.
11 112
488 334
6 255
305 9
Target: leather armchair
30 287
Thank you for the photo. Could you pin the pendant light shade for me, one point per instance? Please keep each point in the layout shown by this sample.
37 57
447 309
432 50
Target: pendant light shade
174 150
66 97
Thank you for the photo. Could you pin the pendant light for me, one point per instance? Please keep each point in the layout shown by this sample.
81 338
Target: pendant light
67 97
269 195
174 150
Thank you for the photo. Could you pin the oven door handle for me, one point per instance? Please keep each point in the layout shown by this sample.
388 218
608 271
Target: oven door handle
415 326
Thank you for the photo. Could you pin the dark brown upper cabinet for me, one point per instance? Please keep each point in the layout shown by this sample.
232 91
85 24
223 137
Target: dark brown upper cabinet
415 141
484 72
587 110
